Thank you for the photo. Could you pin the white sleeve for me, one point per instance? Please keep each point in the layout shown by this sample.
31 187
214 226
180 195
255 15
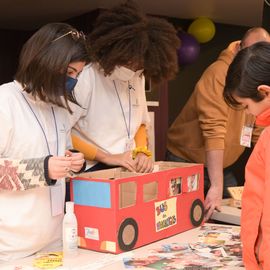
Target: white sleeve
145 114
6 131
68 140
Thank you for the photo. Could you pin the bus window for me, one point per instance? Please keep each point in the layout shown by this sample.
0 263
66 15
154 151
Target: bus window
193 182
127 194
90 193
150 191
175 187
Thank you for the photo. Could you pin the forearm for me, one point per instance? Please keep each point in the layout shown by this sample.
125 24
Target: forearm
22 174
214 162
103 157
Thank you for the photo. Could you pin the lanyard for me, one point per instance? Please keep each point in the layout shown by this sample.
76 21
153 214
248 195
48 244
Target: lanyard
42 129
123 113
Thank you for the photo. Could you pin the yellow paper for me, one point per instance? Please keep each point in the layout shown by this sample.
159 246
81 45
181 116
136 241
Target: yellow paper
48 260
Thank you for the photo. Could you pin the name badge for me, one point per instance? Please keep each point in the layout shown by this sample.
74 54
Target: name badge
246 135
57 204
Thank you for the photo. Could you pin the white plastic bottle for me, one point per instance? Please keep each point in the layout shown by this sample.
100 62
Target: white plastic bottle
70 231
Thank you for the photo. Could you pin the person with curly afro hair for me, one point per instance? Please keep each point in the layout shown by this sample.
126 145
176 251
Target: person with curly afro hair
126 46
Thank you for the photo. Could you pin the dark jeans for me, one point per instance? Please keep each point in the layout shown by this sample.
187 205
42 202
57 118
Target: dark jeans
229 178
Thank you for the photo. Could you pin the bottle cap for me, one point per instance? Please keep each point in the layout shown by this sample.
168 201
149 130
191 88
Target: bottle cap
69 207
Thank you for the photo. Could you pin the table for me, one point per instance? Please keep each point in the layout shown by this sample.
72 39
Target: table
91 260
228 214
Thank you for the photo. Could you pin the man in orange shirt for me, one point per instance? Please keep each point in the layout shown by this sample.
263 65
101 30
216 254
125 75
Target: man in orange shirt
207 130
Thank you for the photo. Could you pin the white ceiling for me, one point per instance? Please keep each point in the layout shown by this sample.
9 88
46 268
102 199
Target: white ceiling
30 14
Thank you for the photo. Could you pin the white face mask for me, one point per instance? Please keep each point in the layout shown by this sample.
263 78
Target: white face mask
122 73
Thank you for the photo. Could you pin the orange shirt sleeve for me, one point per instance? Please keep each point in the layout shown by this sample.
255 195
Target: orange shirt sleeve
141 136
89 150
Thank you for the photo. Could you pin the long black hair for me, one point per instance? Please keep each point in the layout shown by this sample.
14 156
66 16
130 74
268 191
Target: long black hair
44 61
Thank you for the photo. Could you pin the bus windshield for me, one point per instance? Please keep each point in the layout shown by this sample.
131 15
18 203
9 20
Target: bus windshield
90 193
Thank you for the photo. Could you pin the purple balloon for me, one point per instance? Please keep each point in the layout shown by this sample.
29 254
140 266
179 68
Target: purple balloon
189 49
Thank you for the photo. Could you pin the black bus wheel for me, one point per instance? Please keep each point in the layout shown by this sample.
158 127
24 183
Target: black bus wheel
128 234
196 213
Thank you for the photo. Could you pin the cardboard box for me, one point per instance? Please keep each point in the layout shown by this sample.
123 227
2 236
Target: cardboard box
236 193
229 213
118 210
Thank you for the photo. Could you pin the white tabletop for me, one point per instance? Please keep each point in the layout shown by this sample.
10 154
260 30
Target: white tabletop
91 260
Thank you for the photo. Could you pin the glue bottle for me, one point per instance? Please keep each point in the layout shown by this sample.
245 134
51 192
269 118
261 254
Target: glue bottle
70 231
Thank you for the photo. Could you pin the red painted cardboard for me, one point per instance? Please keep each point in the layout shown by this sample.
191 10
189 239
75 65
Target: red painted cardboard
118 211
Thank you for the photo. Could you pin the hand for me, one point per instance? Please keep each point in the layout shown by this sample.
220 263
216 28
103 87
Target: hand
212 201
58 167
124 160
144 164
77 160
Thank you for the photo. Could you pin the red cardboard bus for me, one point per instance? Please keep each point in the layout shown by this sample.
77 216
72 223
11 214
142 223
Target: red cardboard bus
118 211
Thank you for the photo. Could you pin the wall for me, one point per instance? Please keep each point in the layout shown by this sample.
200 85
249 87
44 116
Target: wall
13 40
181 88
266 17
10 46
86 21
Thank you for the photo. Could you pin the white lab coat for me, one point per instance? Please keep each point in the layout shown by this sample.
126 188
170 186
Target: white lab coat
104 120
26 221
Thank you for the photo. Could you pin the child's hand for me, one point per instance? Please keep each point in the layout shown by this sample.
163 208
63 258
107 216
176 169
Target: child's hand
144 164
58 167
77 160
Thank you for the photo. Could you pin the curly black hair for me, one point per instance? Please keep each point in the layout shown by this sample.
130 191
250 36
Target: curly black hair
125 36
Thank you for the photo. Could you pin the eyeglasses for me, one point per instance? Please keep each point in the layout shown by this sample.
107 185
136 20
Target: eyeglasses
75 34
